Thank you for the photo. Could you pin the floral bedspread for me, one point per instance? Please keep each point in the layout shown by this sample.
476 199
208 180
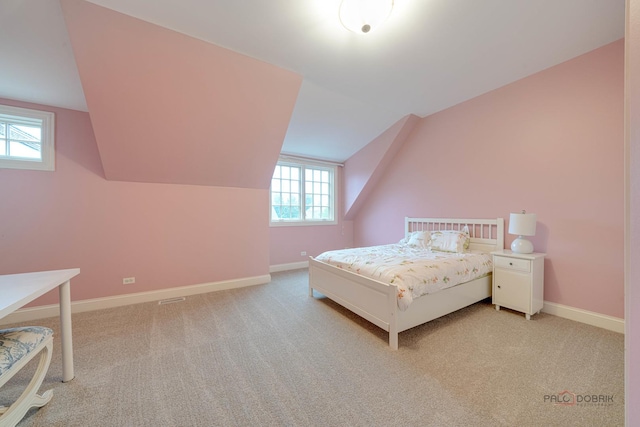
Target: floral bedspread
414 271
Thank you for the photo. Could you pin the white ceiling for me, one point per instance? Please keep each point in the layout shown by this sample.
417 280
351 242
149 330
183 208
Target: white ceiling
429 55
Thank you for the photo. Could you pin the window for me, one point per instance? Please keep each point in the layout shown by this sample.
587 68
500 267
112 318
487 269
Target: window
303 194
26 139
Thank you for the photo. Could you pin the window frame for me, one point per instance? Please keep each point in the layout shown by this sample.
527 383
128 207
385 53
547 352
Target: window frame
333 189
18 115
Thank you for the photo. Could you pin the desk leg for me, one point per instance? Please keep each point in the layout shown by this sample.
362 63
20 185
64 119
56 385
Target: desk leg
65 332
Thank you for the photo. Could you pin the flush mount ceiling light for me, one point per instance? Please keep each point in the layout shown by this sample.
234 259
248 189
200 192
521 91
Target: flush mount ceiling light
363 16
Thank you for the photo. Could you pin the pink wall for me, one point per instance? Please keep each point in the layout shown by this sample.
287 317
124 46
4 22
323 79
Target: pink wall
165 235
632 314
552 144
363 170
170 108
287 242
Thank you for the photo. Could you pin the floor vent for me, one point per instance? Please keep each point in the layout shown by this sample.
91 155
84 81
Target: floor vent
171 300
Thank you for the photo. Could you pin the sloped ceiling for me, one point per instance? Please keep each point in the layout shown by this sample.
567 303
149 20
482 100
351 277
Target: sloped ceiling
169 108
364 169
429 55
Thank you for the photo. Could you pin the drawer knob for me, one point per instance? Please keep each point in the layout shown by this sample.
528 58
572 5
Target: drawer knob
510 263
499 287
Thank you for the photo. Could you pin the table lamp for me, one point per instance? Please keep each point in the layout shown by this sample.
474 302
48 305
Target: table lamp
522 224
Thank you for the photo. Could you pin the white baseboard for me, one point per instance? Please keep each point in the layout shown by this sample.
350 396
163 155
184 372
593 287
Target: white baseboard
41 312
589 317
287 267
33 313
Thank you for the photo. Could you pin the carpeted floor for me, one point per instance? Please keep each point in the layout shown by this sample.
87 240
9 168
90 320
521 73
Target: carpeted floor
270 355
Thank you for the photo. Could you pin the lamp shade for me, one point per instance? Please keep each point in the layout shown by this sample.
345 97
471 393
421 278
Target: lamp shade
362 16
522 224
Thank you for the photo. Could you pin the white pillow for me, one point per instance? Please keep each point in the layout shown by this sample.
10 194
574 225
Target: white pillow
419 239
450 240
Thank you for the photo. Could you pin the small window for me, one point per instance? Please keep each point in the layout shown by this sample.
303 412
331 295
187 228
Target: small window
26 139
303 194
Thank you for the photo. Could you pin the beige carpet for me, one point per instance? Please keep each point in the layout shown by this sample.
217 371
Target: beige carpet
270 355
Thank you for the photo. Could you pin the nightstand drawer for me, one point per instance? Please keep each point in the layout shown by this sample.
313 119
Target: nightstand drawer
512 263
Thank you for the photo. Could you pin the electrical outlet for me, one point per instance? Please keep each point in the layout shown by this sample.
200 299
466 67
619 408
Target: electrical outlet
128 280
303 253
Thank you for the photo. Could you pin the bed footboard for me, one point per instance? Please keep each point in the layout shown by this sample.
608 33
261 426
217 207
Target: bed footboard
377 302
372 300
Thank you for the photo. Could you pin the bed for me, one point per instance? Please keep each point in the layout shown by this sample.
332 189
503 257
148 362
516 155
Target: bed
377 301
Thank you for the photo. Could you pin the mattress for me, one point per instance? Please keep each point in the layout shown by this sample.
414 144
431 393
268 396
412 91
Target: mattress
414 271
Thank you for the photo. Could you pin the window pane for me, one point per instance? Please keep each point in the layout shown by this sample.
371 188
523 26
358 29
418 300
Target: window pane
19 149
25 133
26 139
311 201
285 194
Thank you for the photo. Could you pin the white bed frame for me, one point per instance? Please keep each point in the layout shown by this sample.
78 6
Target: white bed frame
377 302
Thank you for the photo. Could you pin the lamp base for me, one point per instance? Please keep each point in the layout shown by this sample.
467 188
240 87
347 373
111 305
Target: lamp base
522 246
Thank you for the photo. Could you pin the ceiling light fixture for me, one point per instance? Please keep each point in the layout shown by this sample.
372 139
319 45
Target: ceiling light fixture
363 16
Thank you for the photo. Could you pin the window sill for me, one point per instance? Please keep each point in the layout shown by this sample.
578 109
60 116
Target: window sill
300 223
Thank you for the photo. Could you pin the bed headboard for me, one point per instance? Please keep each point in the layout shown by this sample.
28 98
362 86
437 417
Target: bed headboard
486 234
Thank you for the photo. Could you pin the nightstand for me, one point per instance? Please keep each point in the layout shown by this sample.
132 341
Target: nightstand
518 281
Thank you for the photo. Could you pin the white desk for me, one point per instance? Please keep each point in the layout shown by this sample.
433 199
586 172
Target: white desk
17 290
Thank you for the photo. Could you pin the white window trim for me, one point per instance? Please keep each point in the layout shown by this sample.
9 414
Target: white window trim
288 160
48 139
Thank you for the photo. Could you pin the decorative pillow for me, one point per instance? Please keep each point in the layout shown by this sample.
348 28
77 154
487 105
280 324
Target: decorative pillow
450 240
418 239
405 239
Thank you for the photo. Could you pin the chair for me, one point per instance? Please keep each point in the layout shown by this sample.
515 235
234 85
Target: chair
17 347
